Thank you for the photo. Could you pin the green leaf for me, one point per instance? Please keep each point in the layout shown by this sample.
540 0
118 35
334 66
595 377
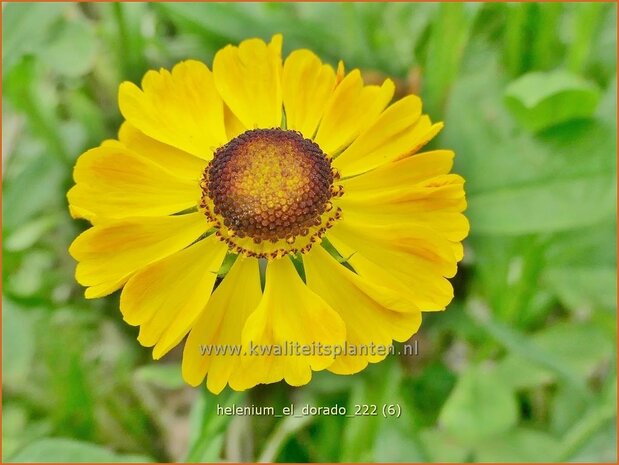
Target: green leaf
480 406
576 349
59 450
219 23
591 247
33 274
547 206
131 20
586 22
286 428
30 90
515 43
520 373
603 58
580 346
443 448
396 442
163 375
546 48
73 50
379 385
26 28
18 344
207 424
600 447
520 184
212 452
519 445
599 420
431 387
540 100
584 288
450 34
14 423
27 234
566 408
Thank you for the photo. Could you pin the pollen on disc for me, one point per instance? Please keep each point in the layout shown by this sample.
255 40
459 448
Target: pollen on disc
269 184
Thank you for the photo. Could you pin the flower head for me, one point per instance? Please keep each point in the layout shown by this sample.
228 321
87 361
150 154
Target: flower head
268 204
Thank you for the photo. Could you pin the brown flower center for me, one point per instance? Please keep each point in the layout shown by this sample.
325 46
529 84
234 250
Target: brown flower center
269 184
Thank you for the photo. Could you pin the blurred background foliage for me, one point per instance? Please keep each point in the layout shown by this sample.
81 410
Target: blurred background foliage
522 365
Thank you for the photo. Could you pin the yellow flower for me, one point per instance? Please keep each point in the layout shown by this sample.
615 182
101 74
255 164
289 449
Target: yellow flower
268 204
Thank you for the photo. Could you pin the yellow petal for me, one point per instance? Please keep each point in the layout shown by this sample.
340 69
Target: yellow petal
404 172
182 108
176 161
109 253
234 127
248 77
288 313
416 258
435 203
115 182
373 315
398 132
340 72
350 110
220 325
307 86
78 212
166 297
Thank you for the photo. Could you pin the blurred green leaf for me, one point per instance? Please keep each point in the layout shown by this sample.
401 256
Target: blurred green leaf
607 109
31 92
599 448
563 178
575 348
207 424
286 428
18 344
163 375
26 28
520 373
360 432
519 445
586 21
591 247
603 52
72 51
515 42
480 406
397 442
58 450
405 25
566 408
450 34
584 288
27 234
33 273
595 424
27 192
219 23
443 448
18 429
546 206
495 154
429 389
579 346
14 420
540 100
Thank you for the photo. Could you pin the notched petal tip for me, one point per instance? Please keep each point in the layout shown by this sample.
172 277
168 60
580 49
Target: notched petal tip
276 43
